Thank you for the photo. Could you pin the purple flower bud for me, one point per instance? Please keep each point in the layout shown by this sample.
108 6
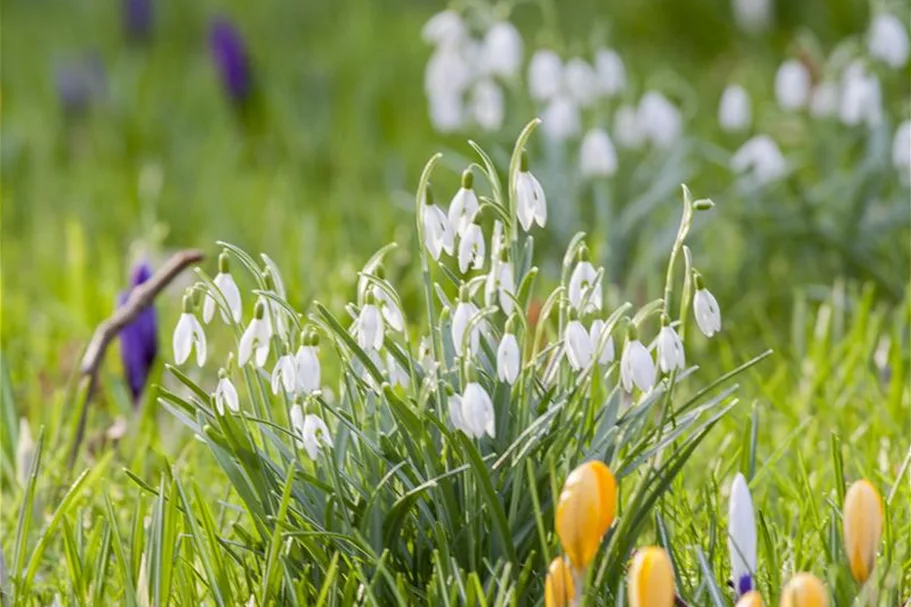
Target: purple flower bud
139 339
137 19
79 82
230 57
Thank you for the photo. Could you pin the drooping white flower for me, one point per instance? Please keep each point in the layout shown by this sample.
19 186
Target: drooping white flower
585 288
578 344
311 432
792 85
561 120
445 28
308 367
861 97
226 394
734 110
496 241
487 105
464 205
508 359
530 201
602 341
477 412
753 16
397 375
390 310
256 338
597 156
824 100
705 308
447 112
626 127
472 249
25 452
464 312
636 366
369 326
438 235
503 49
188 334
742 536
580 81
284 375
610 71
887 40
659 119
545 75
425 354
670 350
901 148
224 282
500 286
759 160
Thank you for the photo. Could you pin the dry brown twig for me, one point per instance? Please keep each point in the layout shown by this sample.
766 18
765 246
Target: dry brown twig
140 297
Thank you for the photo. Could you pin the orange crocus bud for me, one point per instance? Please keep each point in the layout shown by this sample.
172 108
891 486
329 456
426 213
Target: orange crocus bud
863 527
585 511
750 599
804 590
559 590
651 579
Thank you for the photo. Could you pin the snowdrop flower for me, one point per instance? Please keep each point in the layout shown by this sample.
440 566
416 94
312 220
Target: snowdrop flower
901 147
597 156
487 105
464 312
792 85
25 452
308 365
392 314
447 72
626 127
578 344
438 236
742 536
369 326
560 120
446 111
312 433
476 414
446 28
545 75
602 341
425 354
472 249
888 40
581 82
500 285
503 49
508 358
496 241
636 365
659 119
284 375
584 286
705 308
824 100
670 348
611 73
752 16
256 338
734 113
224 282
189 334
464 205
397 375
226 394
760 160
861 97
530 201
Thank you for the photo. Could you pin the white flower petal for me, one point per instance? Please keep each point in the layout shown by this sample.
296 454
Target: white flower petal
742 535
578 344
708 315
183 338
508 359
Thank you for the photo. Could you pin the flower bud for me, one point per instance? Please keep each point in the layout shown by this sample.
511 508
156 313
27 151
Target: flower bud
750 599
651 579
863 527
804 590
585 511
559 590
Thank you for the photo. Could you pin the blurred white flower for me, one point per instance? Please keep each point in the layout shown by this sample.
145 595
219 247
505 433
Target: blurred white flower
597 156
752 16
824 100
487 105
861 97
530 201
464 312
901 147
706 311
25 452
503 49
397 375
369 327
477 412
659 119
188 334
580 81
256 338
448 72
464 206
887 40
734 110
602 339
610 71
545 75
472 249
226 395
560 119
742 536
670 350
311 432
585 288
508 359
438 234
500 286
578 344
496 241
308 368
446 111
224 282
444 28
792 85
759 160
636 367
284 375
390 310
626 127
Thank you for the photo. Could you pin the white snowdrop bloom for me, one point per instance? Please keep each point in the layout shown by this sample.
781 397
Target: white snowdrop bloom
861 97
545 75
425 354
759 160
472 249
25 452
438 235
901 147
602 339
585 288
500 286
311 433
792 85
636 367
369 326
626 128
742 536
464 205
226 395
464 312
659 119
448 71
477 412
256 338
446 111
445 28
887 40
597 156
580 81
284 375
824 100
487 105
578 344
561 120
397 375
670 350
308 367
531 205
753 16
705 308
390 310
496 241
188 334
509 360
610 71
455 412
503 49
734 110
224 282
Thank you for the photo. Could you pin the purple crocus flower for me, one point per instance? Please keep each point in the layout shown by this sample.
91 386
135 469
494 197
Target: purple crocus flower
230 57
137 19
139 339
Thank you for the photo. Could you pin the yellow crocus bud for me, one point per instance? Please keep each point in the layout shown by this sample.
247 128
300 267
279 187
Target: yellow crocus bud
651 579
863 526
559 590
750 599
804 590
585 511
